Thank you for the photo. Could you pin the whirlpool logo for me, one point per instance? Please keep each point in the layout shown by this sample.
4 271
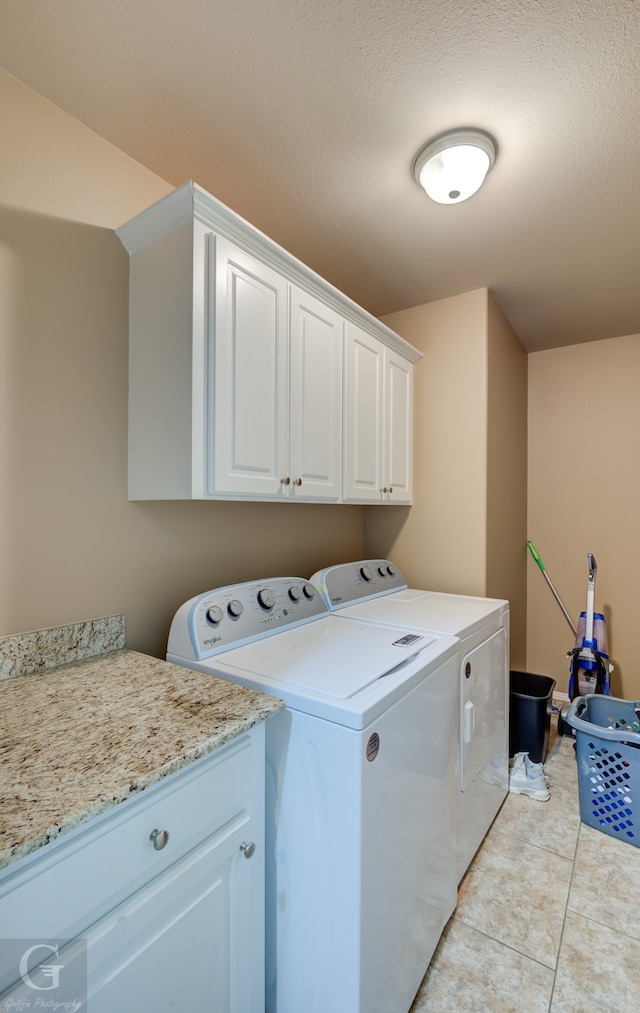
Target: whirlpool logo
210 641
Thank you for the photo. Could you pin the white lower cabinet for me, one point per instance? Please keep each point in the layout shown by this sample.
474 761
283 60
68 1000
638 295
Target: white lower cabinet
181 942
191 934
378 422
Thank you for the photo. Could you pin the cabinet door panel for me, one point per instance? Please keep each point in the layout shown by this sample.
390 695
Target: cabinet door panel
363 417
183 941
316 402
398 424
248 343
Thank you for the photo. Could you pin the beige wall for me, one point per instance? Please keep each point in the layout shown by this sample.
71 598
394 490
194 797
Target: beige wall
466 530
507 475
71 545
440 541
584 491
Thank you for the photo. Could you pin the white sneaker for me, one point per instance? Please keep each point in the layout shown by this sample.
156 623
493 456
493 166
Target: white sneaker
527 778
496 770
533 769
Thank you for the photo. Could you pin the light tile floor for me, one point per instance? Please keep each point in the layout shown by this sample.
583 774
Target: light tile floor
548 916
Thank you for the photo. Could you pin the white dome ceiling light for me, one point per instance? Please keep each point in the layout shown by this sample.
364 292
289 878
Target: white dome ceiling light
452 166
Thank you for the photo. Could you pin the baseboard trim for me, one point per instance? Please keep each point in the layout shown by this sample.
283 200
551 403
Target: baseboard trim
560 699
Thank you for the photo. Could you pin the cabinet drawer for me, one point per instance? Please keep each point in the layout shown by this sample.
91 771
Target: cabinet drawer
76 880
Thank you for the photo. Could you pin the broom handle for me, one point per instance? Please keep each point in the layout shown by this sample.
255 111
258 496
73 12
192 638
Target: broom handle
591 590
557 597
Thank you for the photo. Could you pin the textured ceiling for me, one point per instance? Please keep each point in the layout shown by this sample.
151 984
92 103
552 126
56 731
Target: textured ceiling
305 117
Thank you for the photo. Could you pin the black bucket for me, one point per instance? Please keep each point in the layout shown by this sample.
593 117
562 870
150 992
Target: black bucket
530 702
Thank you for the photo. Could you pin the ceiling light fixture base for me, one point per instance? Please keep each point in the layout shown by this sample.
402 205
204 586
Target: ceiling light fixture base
452 166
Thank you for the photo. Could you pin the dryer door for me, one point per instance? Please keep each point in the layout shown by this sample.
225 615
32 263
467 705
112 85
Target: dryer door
483 727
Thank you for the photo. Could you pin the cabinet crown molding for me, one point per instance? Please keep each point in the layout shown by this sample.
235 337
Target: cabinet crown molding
191 203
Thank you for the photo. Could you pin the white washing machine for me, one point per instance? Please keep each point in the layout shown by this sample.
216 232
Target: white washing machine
360 870
375 591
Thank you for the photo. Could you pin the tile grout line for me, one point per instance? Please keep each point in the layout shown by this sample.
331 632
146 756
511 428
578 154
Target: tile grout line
541 847
564 917
533 844
603 925
564 922
507 946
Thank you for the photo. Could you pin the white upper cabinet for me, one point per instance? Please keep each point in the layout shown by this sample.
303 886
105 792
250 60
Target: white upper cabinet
248 353
364 393
236 385
397 443
315 392
275 354
378 422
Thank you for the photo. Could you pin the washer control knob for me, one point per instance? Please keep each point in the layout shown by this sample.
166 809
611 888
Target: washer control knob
266 598
366 573
391 570
309 591
215 614
235 608
294 593
382 570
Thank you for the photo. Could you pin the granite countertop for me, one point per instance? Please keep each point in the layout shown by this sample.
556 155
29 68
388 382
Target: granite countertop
79 738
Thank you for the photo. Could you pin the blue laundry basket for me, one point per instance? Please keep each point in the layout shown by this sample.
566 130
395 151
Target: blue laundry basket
608 747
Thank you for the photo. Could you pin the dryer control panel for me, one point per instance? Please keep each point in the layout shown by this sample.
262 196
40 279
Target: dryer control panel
347 583
238 613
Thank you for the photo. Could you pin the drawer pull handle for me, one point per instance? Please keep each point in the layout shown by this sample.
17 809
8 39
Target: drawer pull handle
248 848
159 838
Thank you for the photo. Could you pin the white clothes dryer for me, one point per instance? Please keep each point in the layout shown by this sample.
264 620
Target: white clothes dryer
375 591
361 877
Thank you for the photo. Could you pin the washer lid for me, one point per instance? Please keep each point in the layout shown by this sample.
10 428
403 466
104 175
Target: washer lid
455 614
334 658
347 672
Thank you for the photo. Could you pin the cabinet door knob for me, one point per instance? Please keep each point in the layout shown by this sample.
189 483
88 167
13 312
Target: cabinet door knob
286 481
298 481
248 848
384 489
159 838
390 488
